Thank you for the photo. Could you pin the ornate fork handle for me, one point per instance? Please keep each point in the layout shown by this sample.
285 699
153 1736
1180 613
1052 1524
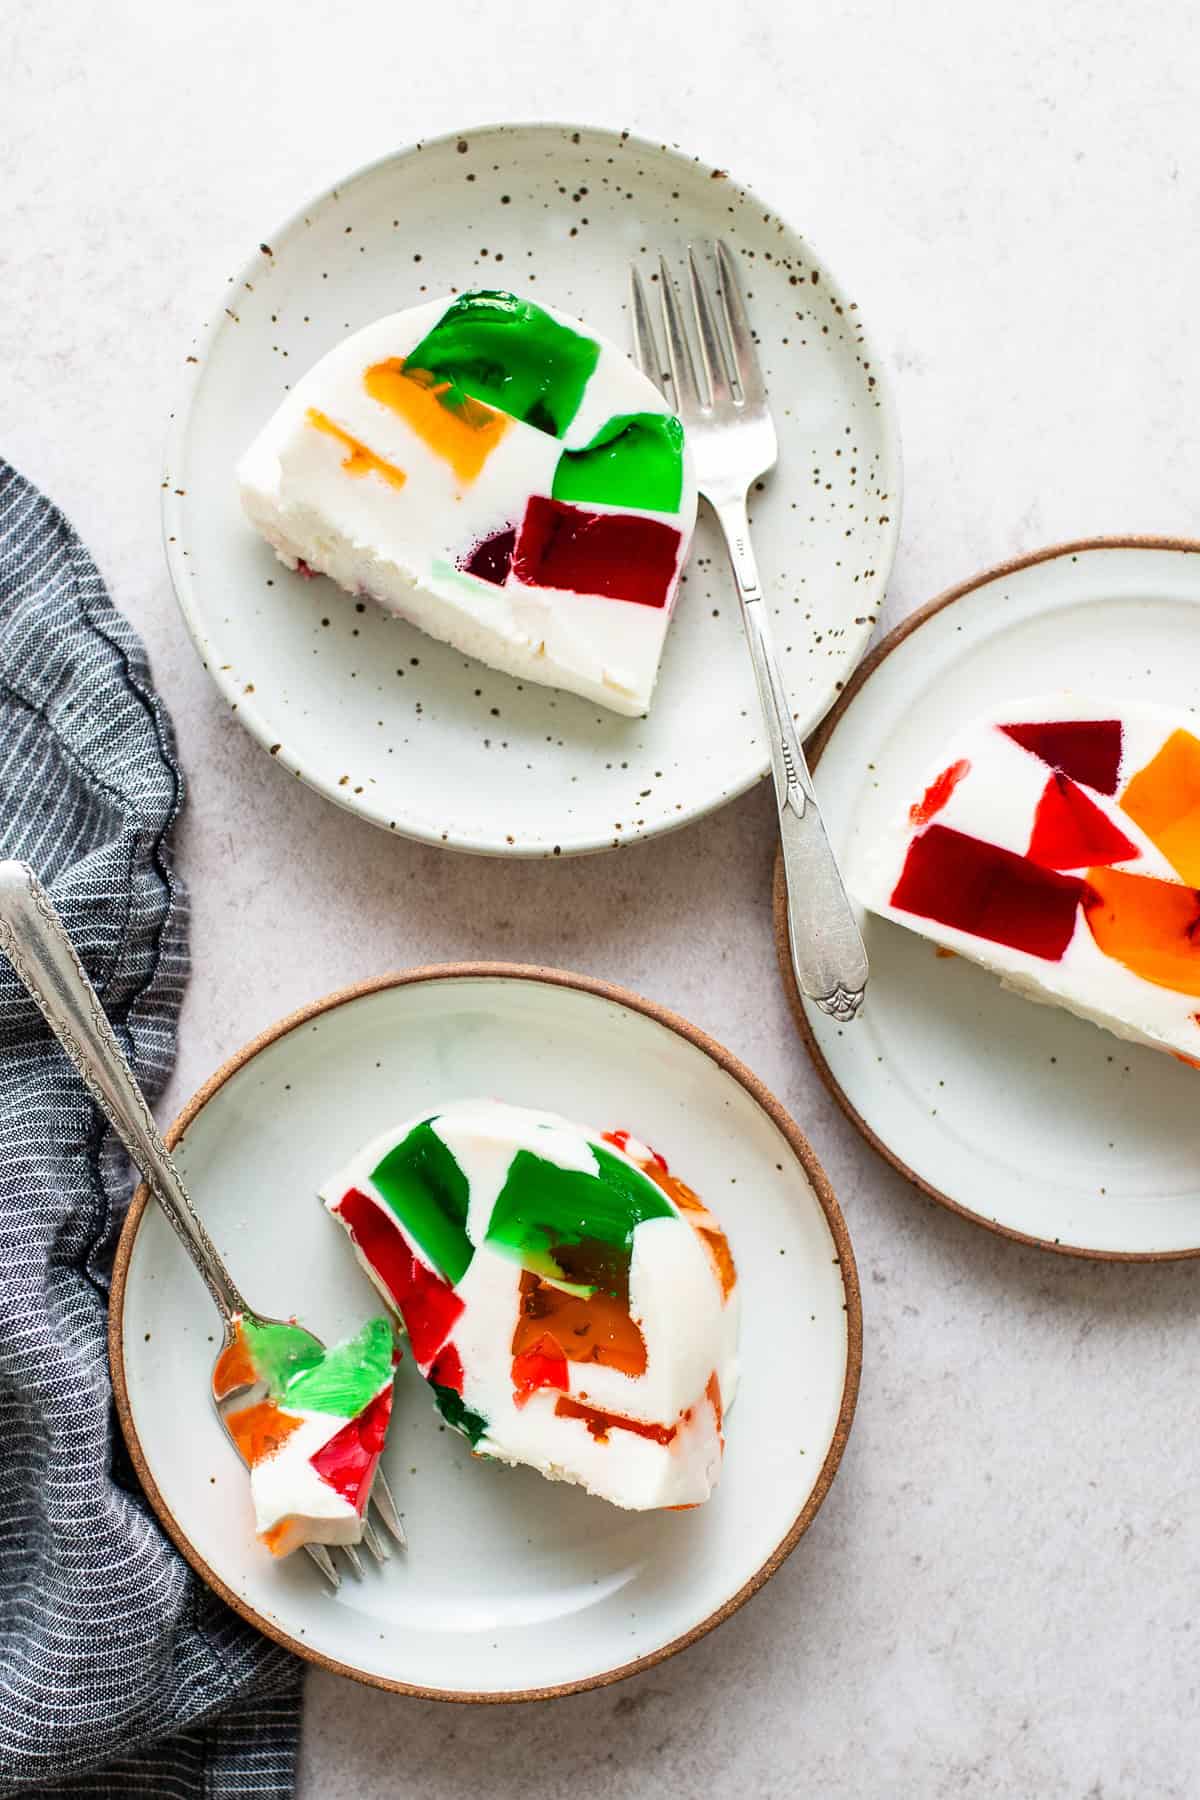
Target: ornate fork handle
826 944
35 941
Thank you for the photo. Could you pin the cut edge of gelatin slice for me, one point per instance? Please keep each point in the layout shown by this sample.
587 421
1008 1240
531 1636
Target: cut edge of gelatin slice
425 1302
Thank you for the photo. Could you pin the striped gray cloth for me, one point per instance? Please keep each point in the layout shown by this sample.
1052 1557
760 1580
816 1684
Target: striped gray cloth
120 1673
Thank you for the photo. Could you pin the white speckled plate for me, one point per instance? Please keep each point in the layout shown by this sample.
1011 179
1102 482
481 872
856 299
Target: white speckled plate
409 733
1023 1117
512 1586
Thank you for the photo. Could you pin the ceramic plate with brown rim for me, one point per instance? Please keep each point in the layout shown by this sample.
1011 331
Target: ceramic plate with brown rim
1028 1120
513 1587
407 732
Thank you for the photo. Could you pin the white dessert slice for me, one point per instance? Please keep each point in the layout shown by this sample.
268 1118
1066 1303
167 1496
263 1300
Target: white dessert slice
549 549
573 1305
1056 841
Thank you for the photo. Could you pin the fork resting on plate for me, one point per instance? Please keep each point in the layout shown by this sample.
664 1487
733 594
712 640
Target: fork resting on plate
732 437
35 941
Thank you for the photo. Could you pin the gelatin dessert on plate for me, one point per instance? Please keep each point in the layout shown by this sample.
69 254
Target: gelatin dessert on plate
573 1305
1057 842
311 1426
500 475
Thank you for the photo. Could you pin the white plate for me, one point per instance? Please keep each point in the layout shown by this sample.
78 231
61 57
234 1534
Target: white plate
409 733
1023 1117
512 1585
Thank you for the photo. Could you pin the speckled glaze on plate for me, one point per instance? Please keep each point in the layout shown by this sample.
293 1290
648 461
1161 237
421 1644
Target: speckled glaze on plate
1021 1117
409 733
513 1587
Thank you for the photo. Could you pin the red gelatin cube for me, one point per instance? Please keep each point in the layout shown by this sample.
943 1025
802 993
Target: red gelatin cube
1088 750
978 888
428 1305
1070 831
347 1462
618 555
543 1366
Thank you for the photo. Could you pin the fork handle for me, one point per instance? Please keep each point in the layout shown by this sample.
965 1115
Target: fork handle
828 956
35 941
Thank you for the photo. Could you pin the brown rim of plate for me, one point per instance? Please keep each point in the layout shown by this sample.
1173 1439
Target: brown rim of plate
604 990
815 747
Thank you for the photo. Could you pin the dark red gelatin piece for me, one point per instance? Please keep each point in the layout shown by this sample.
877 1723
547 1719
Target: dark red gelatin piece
347 1462
427 1304
1070 831
614 554
938 792
977 887
1088 750
491 559
447 1370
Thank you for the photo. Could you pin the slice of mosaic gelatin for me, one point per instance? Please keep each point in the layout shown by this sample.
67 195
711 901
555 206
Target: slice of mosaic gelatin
571 1305
1052 841
309 1423
497 474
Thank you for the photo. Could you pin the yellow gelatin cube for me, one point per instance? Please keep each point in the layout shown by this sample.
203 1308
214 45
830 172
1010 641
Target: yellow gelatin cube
462 431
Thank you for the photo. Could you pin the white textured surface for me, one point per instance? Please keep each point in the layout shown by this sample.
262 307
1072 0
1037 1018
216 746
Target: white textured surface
997 1597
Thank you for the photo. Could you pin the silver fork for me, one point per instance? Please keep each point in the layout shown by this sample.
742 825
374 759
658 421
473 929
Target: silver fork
732 437
35 941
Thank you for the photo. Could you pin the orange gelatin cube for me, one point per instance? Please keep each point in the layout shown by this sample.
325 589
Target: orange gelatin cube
234 1367
286 1536
1164 799
1151 926
462 431
259 1430
592 1329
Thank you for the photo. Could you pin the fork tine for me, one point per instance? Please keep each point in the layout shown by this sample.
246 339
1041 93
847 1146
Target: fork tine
381 1500
324 1562
645 348
679 352
745 356
712 351
354 1559
375 1544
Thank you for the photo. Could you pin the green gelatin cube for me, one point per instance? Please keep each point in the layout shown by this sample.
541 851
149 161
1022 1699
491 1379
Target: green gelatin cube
428 1192
572 1225
279 1352
511 355
634 461
348 1376
455 1412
